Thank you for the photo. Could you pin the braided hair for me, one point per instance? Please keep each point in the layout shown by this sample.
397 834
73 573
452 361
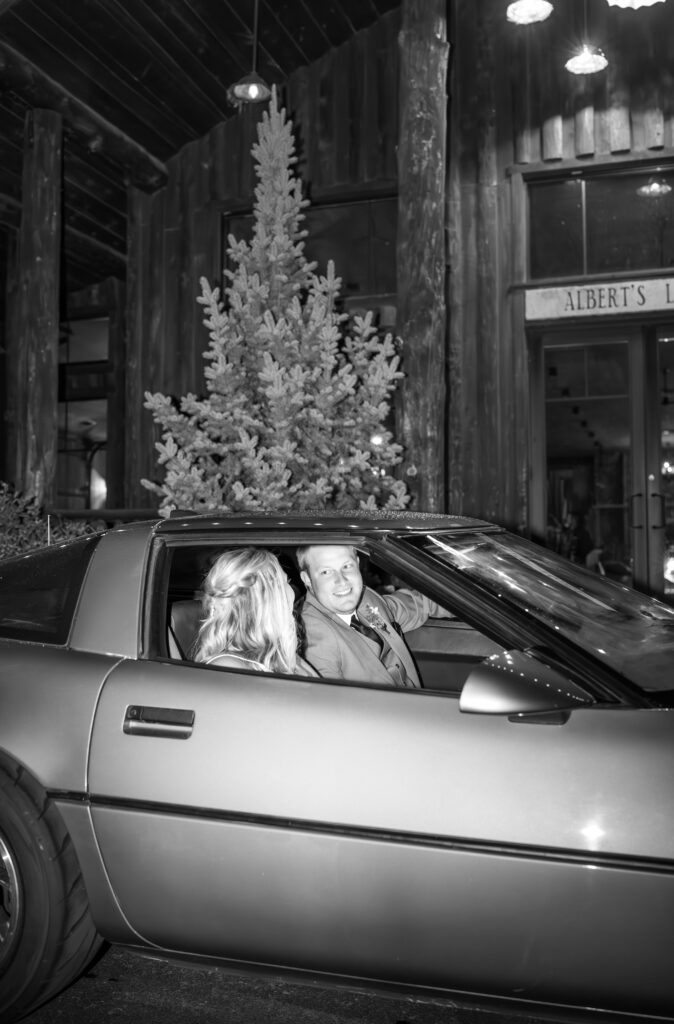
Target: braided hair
247 611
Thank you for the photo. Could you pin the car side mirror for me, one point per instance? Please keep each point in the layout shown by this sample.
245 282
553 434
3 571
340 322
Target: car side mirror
517 683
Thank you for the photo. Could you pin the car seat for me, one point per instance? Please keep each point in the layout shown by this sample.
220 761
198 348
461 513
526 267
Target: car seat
184 626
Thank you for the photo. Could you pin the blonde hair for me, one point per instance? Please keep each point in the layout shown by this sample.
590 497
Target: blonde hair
247 611
302 554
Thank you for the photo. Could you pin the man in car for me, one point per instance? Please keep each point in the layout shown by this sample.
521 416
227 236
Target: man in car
351 631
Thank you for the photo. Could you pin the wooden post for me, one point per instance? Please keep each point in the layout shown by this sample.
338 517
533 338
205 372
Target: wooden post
11 349
34 373
421 323
139 453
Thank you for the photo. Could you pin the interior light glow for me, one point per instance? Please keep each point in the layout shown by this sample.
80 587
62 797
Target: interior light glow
654 188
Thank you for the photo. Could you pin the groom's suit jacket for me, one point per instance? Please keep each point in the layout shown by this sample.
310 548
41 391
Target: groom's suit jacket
337 651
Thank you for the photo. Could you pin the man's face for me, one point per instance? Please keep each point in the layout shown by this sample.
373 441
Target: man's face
333 576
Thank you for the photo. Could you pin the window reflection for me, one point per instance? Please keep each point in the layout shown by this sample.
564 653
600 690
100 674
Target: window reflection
666 409
632 633
587 423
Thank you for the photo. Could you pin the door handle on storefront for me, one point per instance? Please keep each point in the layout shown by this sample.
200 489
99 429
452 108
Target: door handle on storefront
661 524
170 723
633 525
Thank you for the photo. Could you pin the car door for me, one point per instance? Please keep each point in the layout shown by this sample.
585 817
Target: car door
382 833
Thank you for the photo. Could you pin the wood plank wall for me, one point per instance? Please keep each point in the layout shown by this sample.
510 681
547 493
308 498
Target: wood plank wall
626 109
345 109
516 109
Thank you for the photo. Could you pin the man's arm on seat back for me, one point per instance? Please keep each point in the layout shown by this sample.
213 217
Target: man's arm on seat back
410 609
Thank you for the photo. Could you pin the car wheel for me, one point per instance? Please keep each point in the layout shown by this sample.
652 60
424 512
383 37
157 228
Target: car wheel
46 933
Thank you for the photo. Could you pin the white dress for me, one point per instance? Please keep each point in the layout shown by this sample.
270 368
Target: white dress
239 657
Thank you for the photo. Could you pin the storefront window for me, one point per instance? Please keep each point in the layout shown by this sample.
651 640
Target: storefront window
556 222
630 226
601 223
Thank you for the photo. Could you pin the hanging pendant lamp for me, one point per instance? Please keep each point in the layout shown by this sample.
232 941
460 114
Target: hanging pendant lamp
526 12
252 88
634 4
589 59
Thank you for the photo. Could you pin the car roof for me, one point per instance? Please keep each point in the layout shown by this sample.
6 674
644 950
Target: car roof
317 520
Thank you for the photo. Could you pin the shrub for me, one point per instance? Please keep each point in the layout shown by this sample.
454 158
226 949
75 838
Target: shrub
24 526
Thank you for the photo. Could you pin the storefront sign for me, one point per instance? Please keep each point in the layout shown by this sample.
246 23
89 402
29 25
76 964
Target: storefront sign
604 298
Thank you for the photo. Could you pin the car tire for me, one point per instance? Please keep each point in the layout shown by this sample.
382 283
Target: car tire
47 936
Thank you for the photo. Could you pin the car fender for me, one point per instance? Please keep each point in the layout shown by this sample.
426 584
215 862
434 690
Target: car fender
49 698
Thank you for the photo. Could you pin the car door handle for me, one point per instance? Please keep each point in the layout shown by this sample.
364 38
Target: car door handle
171 723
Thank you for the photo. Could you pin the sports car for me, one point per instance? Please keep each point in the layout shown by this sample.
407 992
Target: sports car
501 837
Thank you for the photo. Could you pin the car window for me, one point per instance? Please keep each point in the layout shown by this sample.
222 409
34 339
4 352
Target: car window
631 632
445 648
181 612
39 591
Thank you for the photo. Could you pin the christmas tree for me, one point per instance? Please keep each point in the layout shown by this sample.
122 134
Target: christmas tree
298 396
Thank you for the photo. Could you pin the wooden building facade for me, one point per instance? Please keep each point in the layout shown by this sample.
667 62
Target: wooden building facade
470 124
561 247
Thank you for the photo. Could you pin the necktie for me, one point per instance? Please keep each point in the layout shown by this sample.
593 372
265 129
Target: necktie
368 631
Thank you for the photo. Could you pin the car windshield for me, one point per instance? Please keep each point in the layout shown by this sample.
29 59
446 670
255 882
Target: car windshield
629 631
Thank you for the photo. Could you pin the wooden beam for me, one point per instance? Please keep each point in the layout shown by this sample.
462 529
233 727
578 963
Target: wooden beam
141 168
33 352
10 211
11 343
10 216
95 243
421 258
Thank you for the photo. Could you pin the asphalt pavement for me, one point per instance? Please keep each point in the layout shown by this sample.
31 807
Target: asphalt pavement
125 989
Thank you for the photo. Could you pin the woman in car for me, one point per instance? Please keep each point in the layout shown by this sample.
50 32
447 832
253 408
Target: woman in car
248 615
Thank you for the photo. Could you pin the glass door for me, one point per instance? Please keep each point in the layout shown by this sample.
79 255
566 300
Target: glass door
663 499
602 492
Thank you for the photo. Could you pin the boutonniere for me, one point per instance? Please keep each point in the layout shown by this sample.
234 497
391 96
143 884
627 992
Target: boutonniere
375 619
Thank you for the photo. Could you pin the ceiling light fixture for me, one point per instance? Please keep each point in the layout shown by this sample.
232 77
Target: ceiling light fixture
525 12
634 4
252 88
